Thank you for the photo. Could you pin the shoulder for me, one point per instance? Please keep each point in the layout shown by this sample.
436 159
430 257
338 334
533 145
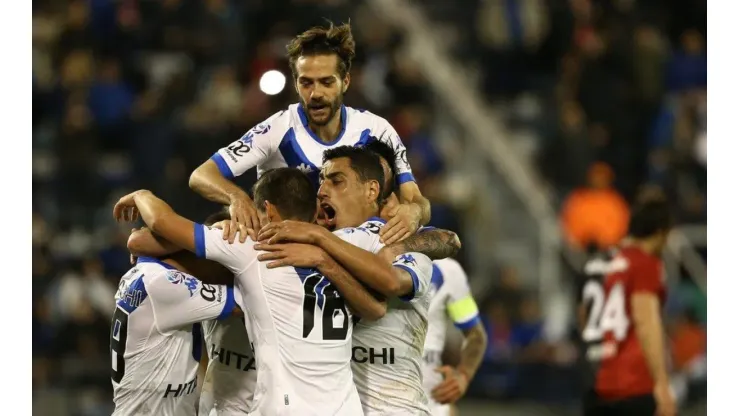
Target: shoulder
368 119
450 268
274 126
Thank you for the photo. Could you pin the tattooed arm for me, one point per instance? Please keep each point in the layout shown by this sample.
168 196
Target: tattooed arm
435 244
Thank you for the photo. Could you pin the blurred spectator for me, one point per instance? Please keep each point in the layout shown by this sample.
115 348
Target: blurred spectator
596 215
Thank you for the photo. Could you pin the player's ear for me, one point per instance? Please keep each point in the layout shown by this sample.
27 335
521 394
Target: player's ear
345 83
271 212
373 191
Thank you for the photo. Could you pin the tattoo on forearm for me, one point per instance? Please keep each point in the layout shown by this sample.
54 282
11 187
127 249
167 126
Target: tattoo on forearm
473 350
436 244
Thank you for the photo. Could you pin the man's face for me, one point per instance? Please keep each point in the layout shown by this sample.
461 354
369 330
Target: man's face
320 88
344 199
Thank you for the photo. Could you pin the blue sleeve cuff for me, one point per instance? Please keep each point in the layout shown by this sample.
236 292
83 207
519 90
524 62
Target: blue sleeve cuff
229 305
464 326
223 167
200 240
405 177
414 278
425 229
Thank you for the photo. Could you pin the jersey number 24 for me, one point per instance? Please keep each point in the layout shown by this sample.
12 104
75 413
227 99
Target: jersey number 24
607 312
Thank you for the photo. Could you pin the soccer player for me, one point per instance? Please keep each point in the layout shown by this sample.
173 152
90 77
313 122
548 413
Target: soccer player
155 335
451 300
320 61
301 325
620 315
387 354
231 376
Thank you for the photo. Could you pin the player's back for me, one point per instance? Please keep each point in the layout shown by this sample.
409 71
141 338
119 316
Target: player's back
154 359
618 366
231 374
302 335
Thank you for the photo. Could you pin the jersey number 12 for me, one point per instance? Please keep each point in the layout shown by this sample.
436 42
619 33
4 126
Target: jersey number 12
333 306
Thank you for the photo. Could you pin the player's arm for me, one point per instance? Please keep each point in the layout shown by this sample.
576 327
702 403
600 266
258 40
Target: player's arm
409 192
371 269
463 311
143 242
358 298
646 314
414 272
435 243
185 300
186 234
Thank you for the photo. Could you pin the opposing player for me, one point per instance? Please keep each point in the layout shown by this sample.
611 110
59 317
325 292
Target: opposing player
451 301
156 336
303 364
620 315
387 354
320 60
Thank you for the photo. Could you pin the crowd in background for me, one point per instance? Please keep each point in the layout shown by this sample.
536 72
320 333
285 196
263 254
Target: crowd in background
136 93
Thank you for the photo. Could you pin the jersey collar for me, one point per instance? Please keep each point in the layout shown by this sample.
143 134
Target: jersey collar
304 120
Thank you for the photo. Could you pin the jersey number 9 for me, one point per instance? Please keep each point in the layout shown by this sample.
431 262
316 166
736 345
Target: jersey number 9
333 306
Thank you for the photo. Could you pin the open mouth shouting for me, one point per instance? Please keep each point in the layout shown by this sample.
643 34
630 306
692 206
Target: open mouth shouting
328 216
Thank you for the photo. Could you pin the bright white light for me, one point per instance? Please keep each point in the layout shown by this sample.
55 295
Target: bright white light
272 82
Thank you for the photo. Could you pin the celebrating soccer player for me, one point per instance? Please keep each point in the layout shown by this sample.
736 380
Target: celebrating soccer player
320 60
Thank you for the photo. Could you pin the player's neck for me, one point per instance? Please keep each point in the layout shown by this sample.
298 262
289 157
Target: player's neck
328 132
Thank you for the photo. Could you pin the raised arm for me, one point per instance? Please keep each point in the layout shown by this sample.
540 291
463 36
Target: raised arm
143 242
435 243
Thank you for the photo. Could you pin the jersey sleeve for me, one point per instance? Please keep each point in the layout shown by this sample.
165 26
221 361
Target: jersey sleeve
254 148
366 236
646 275
179 299
461 306
209 244
419 267
391 137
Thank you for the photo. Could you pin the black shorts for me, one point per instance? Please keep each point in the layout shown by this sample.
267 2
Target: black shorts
632 406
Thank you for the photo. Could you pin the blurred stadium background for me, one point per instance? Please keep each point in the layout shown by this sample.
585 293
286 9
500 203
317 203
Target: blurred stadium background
530 125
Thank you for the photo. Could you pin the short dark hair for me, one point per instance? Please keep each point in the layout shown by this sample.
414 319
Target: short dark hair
386 152
219 216
650 217
290 190
364 162
335 40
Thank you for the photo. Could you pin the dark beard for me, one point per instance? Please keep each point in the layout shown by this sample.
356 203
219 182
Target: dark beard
333 108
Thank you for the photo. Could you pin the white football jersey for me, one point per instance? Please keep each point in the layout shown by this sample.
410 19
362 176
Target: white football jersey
231 375
387 353
451 300
156 338
284 140
300 328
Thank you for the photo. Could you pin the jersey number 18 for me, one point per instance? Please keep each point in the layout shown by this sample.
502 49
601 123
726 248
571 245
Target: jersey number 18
333 305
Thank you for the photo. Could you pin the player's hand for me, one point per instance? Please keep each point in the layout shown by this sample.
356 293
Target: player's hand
231 229
290 231
125 209
664 399
243 212
452 388
404 222
292 254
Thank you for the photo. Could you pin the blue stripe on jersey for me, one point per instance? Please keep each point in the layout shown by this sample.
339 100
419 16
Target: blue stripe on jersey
223 167
304 120
303 273
378 219
425 229
414 278
197 342
294 156
405 177
229 304
437 278
134 296
156 261
365 138
319 290
464 326
199 237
